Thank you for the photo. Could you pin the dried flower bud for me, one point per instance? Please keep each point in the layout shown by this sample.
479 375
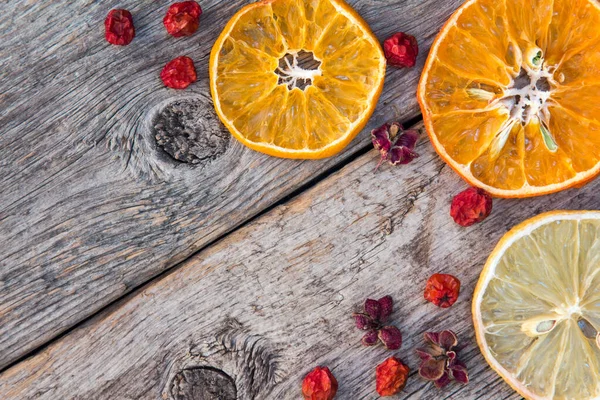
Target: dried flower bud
363 322
391 376
401 50
391 337
387 306
471 206
182 19
319 384
381 139
373 308
395 145
438 361
442 290
119 29
370 338
402 151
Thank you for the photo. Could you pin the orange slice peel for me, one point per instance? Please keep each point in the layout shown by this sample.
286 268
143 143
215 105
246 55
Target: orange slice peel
273 103
503 95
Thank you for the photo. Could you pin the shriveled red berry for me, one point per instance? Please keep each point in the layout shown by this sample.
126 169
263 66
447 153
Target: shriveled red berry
119 27
179 73
391 376
401 50
471 206
182 19
442 290
319 384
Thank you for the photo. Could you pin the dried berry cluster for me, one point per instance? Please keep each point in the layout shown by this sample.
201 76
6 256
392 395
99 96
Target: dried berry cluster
438 361
373 321
395 145
182 19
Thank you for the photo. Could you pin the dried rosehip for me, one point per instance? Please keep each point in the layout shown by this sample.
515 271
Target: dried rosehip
372 320
395 144
179 73
471 206
438 361
119 27
391 376
401 50
319 384
442 290
183 18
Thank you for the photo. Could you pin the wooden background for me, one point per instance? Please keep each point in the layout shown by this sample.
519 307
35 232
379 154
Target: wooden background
139 263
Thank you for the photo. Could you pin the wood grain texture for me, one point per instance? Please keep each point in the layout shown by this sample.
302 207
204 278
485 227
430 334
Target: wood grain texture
90 205
274 299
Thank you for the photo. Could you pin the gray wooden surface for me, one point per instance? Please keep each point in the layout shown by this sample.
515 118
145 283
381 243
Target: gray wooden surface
91 207
274 298
94 212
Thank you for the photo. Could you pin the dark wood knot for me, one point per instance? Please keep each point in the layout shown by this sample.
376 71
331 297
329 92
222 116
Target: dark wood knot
189 131
203 383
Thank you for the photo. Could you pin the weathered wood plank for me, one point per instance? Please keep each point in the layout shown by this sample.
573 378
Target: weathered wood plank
90 206
274 298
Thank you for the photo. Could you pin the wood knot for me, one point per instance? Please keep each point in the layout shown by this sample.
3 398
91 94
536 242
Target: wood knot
189 131
234 361
203 383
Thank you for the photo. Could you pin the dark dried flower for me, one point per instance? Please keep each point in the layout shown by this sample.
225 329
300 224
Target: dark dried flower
373 319
395 145
438 361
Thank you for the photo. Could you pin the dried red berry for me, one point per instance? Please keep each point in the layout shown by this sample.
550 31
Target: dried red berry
183 18
179 73
119 27
442 290
401 50
438 361
391 376
319 384
471 206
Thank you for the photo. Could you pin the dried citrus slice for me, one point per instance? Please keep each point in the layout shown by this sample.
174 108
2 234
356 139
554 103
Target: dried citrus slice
536 307
510 94
273 102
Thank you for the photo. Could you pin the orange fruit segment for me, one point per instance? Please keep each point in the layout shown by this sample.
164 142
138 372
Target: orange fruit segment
510 94
536 307
296 78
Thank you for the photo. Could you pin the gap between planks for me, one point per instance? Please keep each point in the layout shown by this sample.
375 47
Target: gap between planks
301 189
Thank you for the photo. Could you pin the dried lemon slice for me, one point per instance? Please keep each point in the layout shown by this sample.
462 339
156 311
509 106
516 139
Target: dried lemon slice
536 307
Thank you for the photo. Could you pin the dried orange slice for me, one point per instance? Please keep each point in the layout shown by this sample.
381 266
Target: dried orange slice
510 94
271 101
536 307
